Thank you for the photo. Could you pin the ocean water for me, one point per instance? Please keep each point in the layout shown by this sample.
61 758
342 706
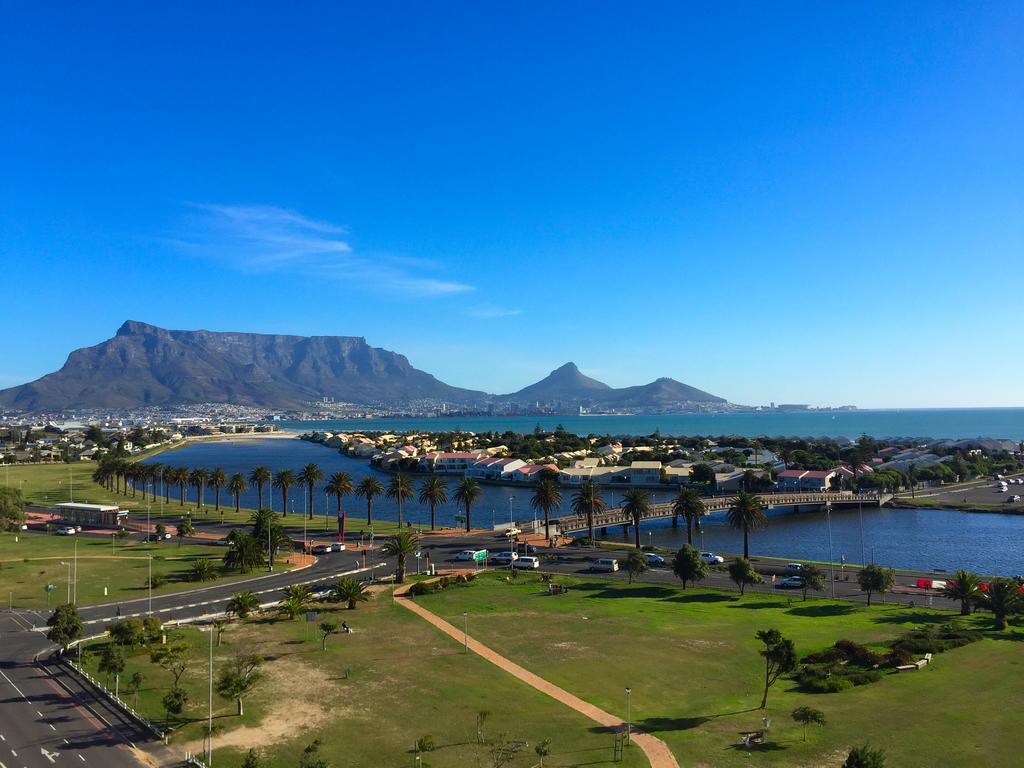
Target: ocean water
939 423
903 538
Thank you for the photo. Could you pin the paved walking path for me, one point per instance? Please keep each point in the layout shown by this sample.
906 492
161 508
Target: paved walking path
658 754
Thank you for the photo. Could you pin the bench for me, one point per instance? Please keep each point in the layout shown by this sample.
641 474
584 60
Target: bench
753 739
916 665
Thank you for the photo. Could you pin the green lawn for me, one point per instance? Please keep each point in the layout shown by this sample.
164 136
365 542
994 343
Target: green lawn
53 483
691 659
34 560
369 697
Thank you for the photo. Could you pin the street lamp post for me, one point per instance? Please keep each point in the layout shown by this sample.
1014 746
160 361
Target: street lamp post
74 589
465 630
69 579
629 712
209 721
150 585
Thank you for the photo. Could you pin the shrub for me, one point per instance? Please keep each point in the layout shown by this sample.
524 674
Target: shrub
157 581
921 641
426 744
421 588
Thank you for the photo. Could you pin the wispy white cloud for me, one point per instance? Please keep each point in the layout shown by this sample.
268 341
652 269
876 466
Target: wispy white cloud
491 312
269 239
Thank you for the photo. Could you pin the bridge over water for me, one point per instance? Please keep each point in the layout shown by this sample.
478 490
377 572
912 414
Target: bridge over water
615 515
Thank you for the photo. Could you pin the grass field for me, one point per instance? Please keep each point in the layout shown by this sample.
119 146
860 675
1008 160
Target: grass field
34 560
691 659
369 697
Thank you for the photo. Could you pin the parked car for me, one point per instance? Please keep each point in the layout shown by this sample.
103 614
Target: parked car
337 547
654 560
527 562
321 549
794 567
604 565
1013 499
66 530
157 537
224 542
790 582
711 558
471 554
504 558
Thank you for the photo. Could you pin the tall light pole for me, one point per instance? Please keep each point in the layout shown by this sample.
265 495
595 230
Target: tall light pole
831 564
465 630
69 579
209 721
150 585
629 712
74 590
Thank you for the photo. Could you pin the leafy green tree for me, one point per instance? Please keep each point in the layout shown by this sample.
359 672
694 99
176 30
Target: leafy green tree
251 759
258 479
808 716
133 687
217 480
243 604
172 657
965 587
779 656
310 757
636 564
198 478
244 552
543 749
174 702
161 531
111 661
339 485
747 514
1004 599
636 503
185 529
297 598
203 569
688 566
743 574
814 578
129 632
587 502
546 498
400 489
690 505
65 625
865 757
433 493
466 494
327 628
369 488
262 520
310 475
239 677
401 546
236 485
702 473
283 481
12 509
874 578
350 591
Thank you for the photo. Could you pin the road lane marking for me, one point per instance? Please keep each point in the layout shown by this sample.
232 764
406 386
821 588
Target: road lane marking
51 756
39 713
81 758
13 686
51 727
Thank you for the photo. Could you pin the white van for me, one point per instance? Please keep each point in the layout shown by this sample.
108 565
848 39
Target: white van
605 565
527 562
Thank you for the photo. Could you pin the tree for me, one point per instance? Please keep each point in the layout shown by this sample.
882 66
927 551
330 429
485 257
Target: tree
400 546
546 497
203 570
466 494
874 578
865 757
258 478
283 481
434 493
242 604
269 533
161 531
814 578
327 628
543 749
1004 599
690 505
310 757
297 598
808 716
111 661
251 760
238 679
172 657
185 529
181 478
588 503
198 478
747 514
350 591
743 574
369 487
236 485
220 625
965 587
129 632
779 655
217 480
636 564
245 552
65 625
339 486
636 503
702 473
134 685
12 509
174 702
400 489
310 475
688 566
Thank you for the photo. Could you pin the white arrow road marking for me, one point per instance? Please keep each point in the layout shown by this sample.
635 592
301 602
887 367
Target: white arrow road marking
51 756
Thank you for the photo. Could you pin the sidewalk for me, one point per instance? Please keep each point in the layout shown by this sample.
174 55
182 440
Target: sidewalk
658 754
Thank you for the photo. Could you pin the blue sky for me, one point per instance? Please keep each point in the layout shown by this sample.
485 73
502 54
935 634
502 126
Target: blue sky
817 202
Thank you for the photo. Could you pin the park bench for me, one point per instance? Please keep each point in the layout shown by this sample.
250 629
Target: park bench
754 739
916 665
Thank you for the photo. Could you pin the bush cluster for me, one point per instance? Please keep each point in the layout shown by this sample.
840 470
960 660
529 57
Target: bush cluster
426 588
933 640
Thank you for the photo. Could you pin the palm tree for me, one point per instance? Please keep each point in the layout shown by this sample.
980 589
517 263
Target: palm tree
258 478
588 501
297 598
154 471
197 478
340 485
747 514
217 480
1003 598
237 485
283 481
546 497
636 503
400 489
310 475
690 505
181 478
466 494
434 492
369 487
167 475
242 604
965 587
401 546
350 591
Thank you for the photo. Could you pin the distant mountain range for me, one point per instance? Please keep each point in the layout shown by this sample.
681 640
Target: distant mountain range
144 365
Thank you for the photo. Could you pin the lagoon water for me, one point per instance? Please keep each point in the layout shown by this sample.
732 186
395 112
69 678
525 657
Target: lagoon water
954 423
904 538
